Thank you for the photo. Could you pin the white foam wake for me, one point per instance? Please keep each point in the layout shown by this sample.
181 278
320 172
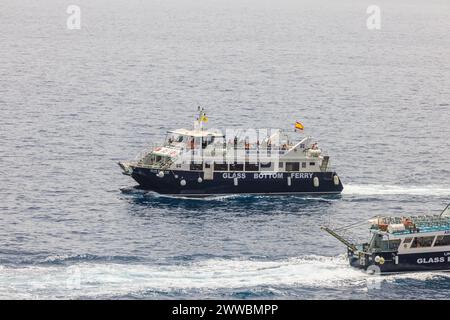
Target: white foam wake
380 189
99 279
94 280
153 194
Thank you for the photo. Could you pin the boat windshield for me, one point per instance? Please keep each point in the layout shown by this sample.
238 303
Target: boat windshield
152 159
173 139
382 243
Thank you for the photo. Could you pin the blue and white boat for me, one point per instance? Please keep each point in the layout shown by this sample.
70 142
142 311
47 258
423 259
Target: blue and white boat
199 162
401 244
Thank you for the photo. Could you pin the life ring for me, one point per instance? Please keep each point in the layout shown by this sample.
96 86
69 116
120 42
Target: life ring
379 260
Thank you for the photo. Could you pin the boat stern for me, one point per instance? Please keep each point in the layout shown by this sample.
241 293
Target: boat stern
337 182
357 259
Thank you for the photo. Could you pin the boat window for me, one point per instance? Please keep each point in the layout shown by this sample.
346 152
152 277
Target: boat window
421 242
236 167
406 242
196 166
312 163
251 166
442 241
266 165
303 164
207 165
393 244
220 166
376 241
280 165
292 166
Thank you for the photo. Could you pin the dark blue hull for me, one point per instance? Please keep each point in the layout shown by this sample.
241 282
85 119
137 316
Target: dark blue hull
412 262
235 182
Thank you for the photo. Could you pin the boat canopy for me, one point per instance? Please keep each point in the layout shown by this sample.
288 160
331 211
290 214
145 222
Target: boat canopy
165 152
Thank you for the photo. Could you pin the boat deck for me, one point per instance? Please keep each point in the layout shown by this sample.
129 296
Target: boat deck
421 224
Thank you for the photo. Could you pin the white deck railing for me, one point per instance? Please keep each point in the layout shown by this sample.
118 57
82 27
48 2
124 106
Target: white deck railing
216 153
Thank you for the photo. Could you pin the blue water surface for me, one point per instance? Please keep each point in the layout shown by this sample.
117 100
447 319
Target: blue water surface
74 102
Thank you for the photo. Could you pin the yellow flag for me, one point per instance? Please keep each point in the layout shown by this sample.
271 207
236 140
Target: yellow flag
204 118
299 125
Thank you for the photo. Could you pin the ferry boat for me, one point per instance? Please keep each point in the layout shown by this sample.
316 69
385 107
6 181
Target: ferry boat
199 162
401 244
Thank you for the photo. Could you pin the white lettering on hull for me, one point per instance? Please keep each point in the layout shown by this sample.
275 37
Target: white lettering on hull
301 175
239 175
268 175
433 260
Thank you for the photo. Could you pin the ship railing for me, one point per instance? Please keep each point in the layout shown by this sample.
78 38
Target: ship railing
344 233
231 153
244 152
161 165
144 152
228 159
217 152
419 220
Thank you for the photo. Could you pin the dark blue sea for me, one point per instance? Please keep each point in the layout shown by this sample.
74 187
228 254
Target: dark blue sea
75 102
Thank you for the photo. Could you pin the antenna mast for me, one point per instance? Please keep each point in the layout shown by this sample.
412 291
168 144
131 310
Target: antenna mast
446 211
200 117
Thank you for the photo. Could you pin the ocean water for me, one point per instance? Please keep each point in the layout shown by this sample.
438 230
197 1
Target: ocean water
74 102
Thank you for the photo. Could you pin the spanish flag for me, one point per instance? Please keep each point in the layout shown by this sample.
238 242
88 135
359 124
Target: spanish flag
299 125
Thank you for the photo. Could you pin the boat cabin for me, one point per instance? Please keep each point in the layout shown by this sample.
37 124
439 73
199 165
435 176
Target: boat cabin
410 234
200 150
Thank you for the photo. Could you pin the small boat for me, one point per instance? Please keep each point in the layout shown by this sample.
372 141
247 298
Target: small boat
199 162
401 244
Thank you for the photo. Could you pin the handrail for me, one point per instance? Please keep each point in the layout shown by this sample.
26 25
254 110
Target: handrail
217 153
259 150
